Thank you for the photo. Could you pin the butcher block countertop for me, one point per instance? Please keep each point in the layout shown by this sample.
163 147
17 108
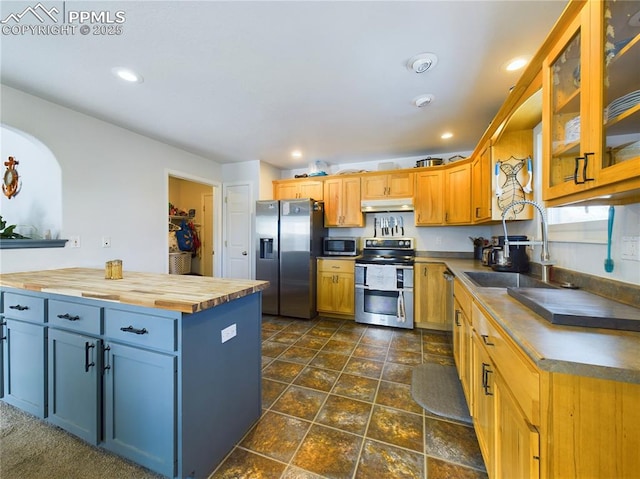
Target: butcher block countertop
183 293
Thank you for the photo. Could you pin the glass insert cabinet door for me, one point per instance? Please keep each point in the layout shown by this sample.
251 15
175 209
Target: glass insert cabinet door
591 86
619 74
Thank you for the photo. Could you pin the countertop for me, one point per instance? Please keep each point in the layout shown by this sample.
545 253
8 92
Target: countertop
600 353
183 293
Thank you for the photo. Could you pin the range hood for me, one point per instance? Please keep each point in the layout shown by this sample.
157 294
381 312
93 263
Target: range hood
391 204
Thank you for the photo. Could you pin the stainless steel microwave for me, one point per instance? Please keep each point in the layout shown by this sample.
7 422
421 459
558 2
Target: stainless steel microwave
341 246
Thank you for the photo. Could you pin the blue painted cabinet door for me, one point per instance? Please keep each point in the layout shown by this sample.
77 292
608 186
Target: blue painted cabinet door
24 366
74 394
140 406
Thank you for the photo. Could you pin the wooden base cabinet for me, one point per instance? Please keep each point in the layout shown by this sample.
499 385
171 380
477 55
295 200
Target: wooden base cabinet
336 287
483 408
430 302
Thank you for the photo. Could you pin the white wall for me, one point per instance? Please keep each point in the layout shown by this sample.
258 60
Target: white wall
114 183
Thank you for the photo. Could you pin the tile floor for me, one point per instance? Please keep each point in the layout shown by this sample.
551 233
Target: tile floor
337 405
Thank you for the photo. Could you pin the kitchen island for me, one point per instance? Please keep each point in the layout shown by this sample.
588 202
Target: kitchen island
164 370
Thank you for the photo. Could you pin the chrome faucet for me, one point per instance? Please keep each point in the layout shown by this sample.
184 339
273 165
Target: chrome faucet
544 255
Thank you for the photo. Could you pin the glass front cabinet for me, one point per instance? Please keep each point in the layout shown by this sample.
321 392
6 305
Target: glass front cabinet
591 107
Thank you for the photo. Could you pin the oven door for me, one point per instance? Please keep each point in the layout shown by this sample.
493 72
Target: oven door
385 307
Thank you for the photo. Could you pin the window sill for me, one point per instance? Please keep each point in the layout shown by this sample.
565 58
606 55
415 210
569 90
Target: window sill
29 243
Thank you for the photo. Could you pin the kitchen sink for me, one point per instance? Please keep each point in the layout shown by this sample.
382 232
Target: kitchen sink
486 279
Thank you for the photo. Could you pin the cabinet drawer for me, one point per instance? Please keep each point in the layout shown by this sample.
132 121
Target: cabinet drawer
463 297
74 316
336 266
140 329
516 370
24 307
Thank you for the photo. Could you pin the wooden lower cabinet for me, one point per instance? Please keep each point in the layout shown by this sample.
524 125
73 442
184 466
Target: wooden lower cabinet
483 406
336 286
430 293
517 442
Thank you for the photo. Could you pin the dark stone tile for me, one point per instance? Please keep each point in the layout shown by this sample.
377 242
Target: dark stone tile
285 338
437 469
276 436
328 360
444 360
364 367
370 352
329 453
398 373
380 337
300 402
407 343
243 464
328 323
353 326
382 461
273 349
294 472
397 396
298 327
316 378
404 357
282 371
266 361
347 336
266 334
441 349
356 387
298 355
399 428
273 323
452 442
436 337
342 347
321 332
345 414
311 342
271 390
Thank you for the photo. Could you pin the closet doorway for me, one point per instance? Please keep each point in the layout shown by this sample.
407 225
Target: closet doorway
199 200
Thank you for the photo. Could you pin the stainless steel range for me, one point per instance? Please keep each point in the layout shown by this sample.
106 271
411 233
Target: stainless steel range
384 282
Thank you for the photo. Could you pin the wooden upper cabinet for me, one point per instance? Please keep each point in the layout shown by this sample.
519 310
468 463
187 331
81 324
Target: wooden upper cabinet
342 202
387 185
481 186
429 197
458 194
298 188
591 108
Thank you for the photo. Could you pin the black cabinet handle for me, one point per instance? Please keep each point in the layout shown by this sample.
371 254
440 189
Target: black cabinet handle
87 364
584 169
485 379
19 307
105 351
69 317
485 338
131 329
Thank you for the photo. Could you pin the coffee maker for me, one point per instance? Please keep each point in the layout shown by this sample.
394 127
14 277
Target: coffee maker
518 261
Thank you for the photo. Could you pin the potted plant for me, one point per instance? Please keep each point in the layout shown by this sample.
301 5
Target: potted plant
7 232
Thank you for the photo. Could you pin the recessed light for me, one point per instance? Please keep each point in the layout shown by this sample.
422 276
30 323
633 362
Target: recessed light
422 62
127 75
516 64
296 154
447 135
423 100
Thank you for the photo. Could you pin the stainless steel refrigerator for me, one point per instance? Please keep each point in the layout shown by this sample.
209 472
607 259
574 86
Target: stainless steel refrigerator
288 240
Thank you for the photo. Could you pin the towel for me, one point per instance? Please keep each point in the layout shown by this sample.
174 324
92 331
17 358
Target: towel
401 311
381 277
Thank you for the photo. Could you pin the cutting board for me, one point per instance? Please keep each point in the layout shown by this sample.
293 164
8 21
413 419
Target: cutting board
578 308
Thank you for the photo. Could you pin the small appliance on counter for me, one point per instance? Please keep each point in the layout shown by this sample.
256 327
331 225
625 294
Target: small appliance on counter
518 261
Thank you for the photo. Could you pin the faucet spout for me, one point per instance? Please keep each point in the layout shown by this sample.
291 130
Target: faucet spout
544 255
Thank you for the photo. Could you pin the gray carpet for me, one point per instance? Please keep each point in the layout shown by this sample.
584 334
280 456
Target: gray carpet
33 449
437 389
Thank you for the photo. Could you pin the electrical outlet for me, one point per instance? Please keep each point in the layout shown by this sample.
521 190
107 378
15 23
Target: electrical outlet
228 333
106 242
631 248
74 241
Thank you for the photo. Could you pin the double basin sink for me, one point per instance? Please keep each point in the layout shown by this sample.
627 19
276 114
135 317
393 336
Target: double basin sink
558 305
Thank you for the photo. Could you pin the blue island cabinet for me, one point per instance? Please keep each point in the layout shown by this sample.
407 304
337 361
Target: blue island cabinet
170 391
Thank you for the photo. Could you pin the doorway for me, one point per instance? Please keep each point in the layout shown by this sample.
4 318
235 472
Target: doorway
199 200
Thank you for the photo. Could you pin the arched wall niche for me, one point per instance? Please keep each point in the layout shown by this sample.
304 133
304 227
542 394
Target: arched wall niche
37 208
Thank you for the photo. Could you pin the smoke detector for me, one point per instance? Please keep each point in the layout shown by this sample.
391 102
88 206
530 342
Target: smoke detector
422 62
423 100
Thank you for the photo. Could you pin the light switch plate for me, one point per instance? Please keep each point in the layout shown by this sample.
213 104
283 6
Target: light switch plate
631 248
228 333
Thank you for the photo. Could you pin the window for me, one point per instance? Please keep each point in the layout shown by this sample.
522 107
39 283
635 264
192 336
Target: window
578 224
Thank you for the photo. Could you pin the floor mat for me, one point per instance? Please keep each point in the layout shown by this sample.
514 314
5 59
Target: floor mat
437 389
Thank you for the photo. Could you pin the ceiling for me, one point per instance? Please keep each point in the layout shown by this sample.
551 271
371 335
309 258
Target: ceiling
237 81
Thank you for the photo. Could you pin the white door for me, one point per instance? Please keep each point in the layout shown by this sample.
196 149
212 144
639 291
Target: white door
237 214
